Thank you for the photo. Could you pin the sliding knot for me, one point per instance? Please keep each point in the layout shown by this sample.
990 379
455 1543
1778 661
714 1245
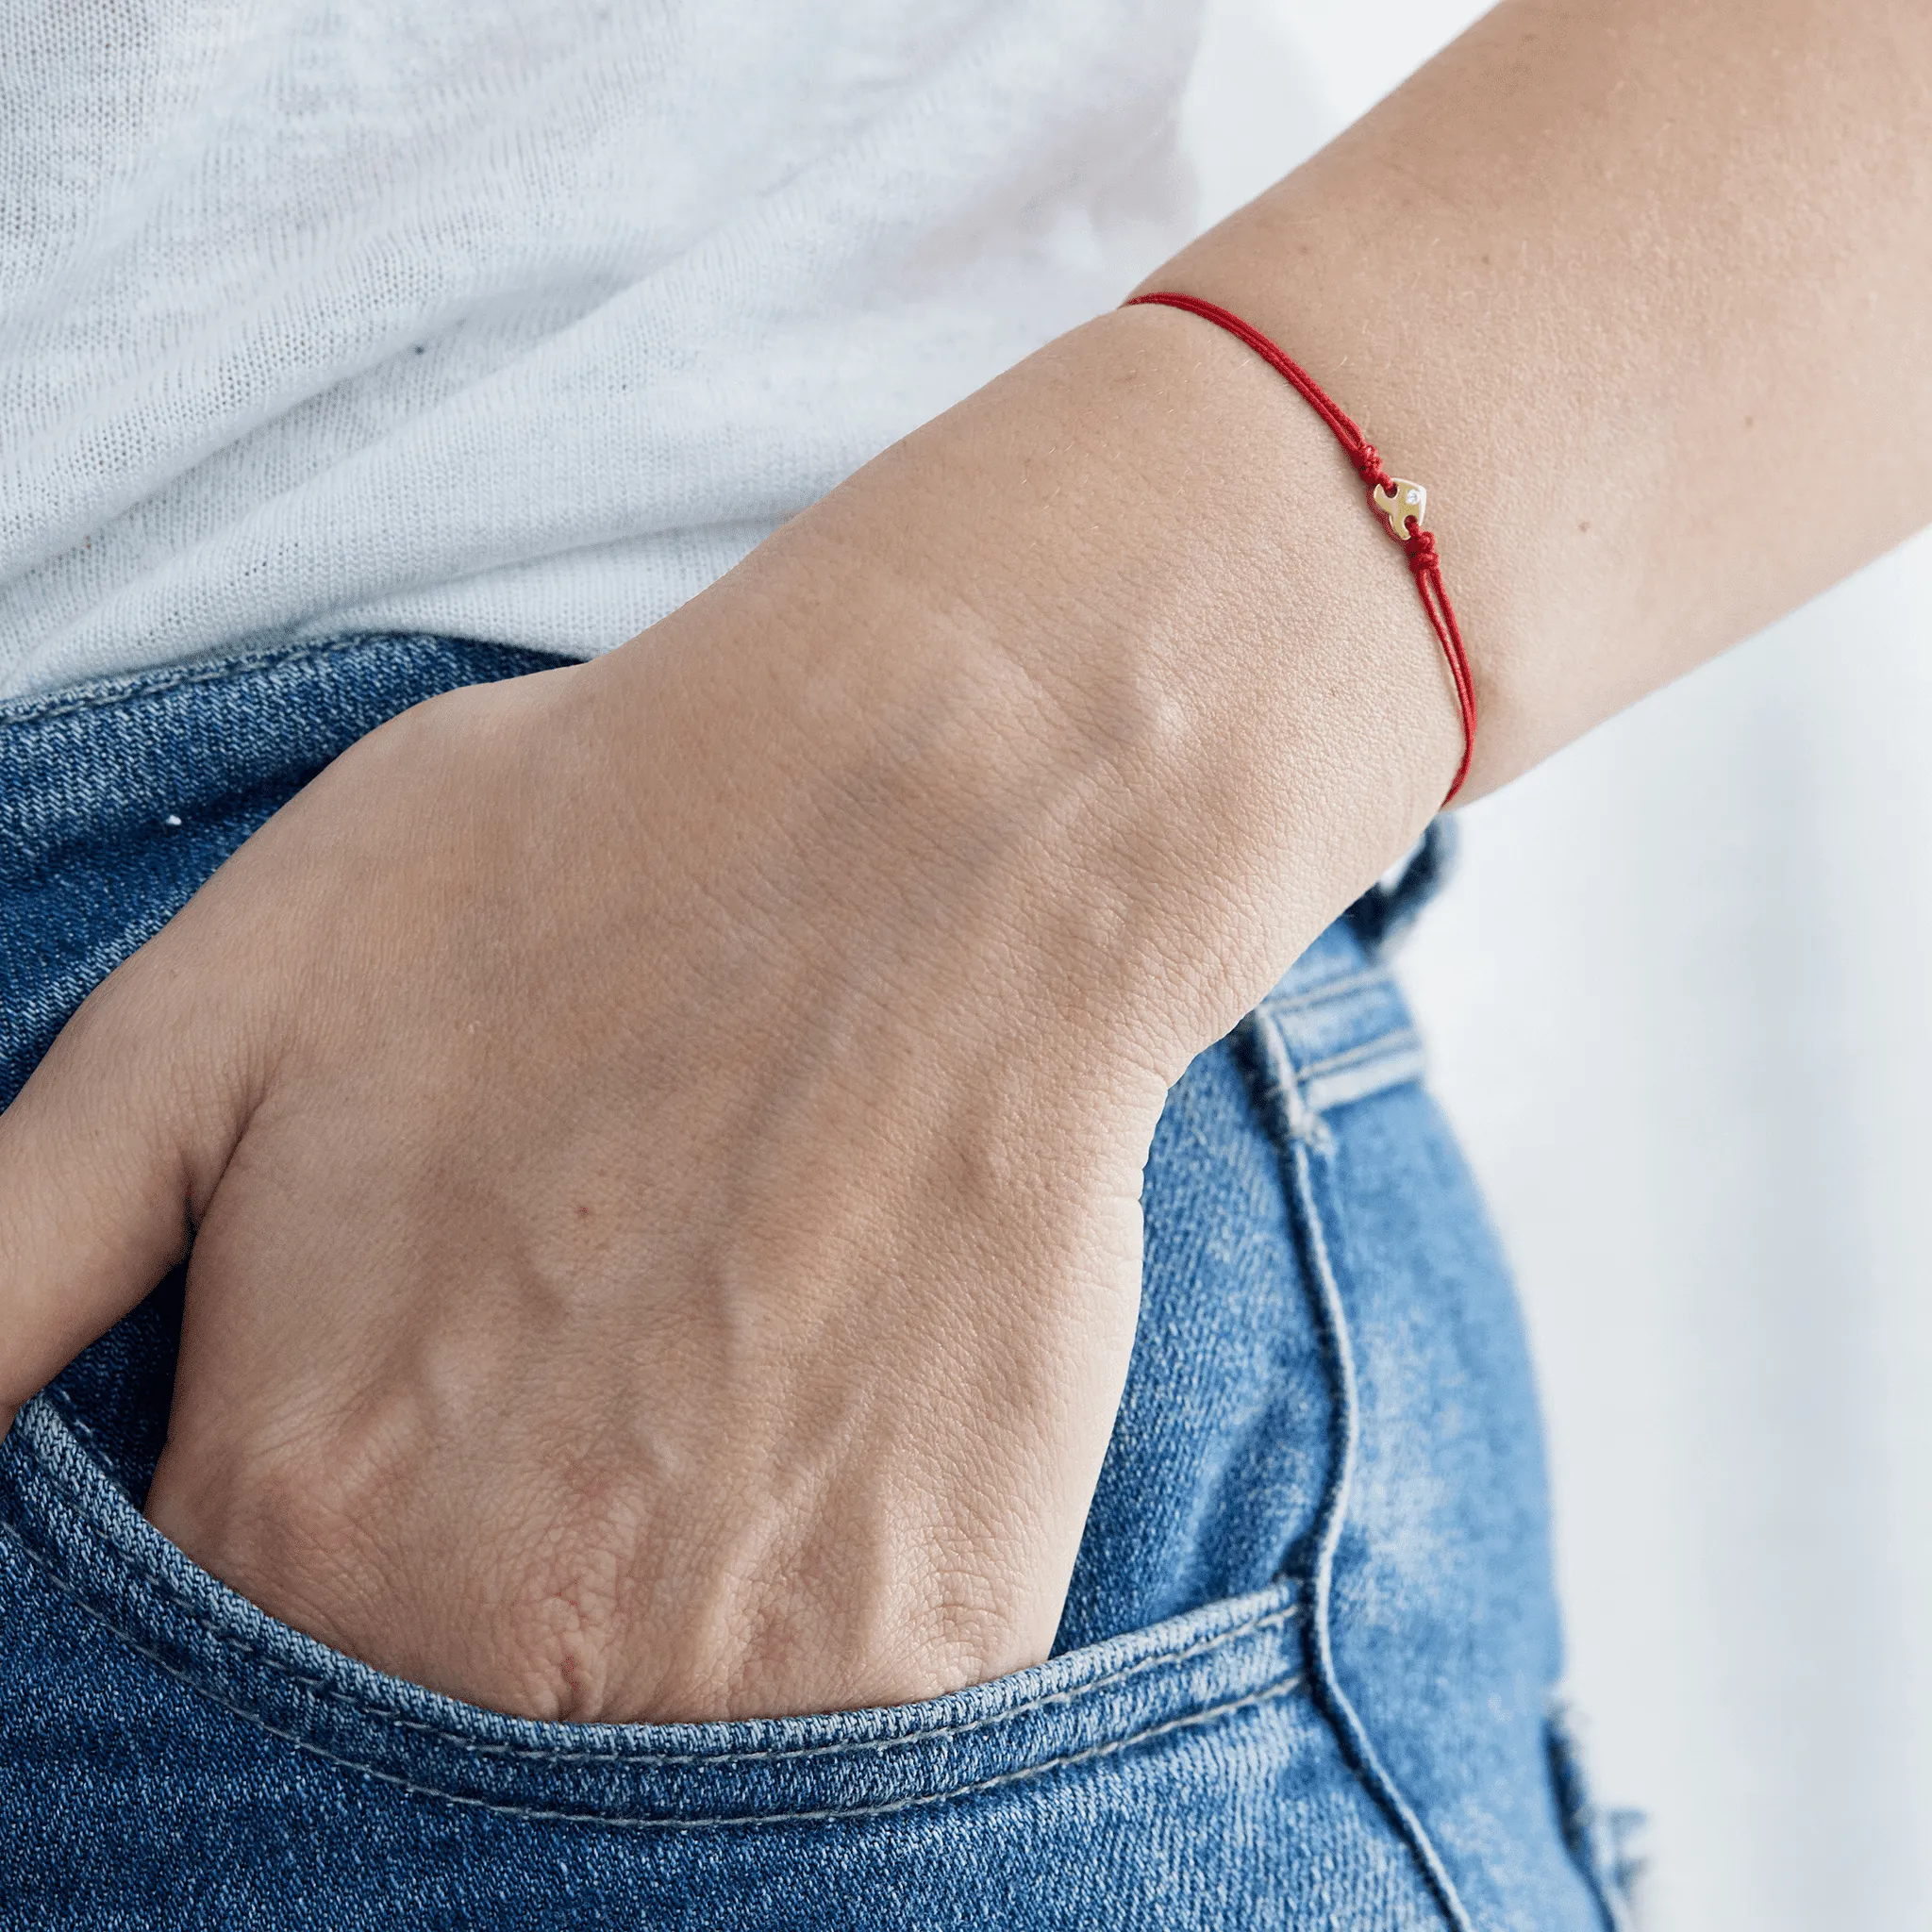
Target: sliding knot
1400 504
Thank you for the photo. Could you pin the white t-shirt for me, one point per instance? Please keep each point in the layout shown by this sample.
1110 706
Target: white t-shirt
517 319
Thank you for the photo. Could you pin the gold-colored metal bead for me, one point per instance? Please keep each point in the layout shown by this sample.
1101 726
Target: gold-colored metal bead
1401 503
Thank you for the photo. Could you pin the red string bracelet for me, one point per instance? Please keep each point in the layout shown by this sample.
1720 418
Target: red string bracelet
1399 504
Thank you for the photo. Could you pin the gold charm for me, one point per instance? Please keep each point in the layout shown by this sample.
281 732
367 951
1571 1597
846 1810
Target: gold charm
1404 502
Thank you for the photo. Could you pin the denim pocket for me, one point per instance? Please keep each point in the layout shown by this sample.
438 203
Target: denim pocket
171 1757
1173 1767
1082 1708
1185 1610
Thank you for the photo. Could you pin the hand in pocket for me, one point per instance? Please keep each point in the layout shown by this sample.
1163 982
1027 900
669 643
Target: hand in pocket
665 1245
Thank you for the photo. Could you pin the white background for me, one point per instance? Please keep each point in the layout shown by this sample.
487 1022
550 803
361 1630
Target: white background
1677 1001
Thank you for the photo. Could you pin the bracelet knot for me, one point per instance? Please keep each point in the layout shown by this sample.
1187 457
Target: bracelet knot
1400 505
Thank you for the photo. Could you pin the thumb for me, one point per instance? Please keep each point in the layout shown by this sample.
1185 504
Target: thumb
105 1158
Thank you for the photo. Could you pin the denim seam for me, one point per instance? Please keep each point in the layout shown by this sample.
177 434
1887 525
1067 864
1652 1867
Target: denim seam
830 1814
1282 1687
1351 1734
323 1690
1398 1040
138 686
1369 978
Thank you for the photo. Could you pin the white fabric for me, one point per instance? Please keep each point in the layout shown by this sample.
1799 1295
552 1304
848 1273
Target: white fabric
517 319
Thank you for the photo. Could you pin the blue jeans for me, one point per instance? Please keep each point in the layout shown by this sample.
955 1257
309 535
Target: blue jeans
1304 1675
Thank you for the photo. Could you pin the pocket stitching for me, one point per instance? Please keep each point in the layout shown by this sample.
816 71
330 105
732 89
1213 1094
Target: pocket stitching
1281 1688
322 1687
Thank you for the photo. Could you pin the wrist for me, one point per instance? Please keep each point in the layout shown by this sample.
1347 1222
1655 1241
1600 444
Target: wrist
1122 645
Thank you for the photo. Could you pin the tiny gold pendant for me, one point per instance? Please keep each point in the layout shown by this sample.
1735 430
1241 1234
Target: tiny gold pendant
1401 504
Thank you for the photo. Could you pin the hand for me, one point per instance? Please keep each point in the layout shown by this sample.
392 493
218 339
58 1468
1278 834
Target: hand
663 1137
634 1277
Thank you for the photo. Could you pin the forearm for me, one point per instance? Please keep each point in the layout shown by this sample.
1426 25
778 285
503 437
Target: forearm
1643 291
1640 293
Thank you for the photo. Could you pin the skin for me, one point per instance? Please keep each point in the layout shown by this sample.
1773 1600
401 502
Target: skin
662 1139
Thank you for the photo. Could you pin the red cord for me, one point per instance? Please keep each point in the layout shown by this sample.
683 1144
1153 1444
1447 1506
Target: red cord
1418 544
